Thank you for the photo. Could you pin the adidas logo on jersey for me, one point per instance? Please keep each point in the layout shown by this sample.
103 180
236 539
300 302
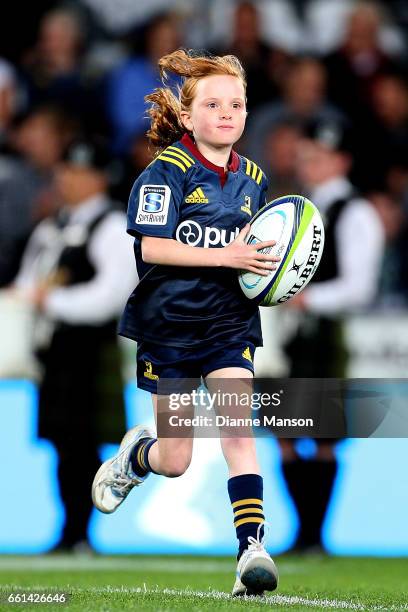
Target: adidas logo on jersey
197 197
247 354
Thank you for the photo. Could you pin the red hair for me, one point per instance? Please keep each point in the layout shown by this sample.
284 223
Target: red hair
166 125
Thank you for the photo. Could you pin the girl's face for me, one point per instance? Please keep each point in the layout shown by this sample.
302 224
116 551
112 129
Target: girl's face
218 111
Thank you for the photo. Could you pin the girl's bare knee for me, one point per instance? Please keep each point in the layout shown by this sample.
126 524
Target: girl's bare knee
176 466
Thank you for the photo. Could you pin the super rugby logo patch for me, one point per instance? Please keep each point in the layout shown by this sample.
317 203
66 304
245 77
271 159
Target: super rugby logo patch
153 204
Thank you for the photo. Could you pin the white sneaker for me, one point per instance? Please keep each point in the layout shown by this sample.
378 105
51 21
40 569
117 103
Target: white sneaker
256 572
115 479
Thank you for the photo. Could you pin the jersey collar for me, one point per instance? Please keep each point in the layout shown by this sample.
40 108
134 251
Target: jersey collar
233 164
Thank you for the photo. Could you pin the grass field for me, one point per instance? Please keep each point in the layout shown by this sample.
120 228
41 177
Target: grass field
99 583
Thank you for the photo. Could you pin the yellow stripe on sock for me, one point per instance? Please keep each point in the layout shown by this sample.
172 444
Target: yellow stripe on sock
245 502
248 511
254 519
181 153
172 161
139 456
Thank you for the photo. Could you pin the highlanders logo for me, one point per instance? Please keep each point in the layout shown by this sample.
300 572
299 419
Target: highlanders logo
153 204
148 373
247 206
247 354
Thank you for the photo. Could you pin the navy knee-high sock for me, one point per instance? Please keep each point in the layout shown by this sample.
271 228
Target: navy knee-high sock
246 495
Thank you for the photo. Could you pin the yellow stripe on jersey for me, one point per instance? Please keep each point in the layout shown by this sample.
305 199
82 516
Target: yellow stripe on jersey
178 156
252 519
253 171
245 502
172 161
248 511
180 152
200 192
248 167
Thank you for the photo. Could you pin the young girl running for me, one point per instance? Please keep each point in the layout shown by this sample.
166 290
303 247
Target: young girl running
189 213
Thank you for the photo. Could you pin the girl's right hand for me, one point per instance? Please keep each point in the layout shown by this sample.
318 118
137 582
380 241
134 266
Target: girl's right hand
243 256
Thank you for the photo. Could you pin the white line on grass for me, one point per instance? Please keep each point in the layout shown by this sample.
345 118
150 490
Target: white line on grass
63 563
268 600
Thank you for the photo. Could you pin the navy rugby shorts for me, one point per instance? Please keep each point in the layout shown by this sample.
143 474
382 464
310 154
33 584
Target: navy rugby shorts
155 362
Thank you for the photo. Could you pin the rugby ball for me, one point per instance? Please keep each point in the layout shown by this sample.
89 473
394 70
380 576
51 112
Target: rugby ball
296 225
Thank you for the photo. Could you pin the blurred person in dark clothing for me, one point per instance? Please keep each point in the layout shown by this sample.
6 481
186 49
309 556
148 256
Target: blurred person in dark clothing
263 64
397 183
387 123
346 281
130 166
41 137
12 46
393 283
32 149
78 271
128 83
281 145
303 99
354 67
53 69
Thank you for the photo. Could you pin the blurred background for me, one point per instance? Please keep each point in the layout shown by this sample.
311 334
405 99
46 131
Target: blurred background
328 118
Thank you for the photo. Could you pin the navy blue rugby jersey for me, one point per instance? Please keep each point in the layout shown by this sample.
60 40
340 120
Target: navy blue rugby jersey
183 196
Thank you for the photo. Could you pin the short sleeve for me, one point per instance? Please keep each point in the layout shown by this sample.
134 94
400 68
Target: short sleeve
155 200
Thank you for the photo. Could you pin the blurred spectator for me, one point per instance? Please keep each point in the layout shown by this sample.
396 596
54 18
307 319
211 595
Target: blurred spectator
397 183
140 155
136 77
26 181
281 145
42 136
18 34
388 123
303 99
353 68
78 270
263 64
53 70
390 103
346 280
393 284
